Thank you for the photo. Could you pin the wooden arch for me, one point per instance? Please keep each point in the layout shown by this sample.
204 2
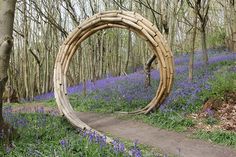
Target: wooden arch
109 19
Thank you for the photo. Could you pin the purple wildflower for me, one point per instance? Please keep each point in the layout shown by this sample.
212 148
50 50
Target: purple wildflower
64 143
131 87
40 110
92 136
135 151
118 146
209 112
8 149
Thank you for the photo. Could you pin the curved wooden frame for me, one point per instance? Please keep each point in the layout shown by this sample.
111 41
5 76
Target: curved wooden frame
109 19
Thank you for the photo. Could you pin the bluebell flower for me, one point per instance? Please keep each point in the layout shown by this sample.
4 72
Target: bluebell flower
209 112
64 143
135 151
118 146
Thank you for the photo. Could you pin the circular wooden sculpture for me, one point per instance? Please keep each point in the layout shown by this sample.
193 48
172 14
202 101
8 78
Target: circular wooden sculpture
110 19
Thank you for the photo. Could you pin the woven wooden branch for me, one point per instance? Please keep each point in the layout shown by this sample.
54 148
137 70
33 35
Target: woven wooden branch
109 19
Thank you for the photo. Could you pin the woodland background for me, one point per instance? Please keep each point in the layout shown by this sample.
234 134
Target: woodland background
40 27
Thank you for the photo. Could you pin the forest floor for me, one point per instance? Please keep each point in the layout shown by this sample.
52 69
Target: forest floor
197 119
168 142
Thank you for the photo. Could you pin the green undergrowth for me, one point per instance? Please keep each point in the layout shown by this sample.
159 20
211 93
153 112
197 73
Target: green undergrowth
44 139
85 104
166 120
227 138
174 118
222 83
46 135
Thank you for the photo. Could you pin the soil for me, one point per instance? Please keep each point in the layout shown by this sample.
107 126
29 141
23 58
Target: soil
223 110
168 142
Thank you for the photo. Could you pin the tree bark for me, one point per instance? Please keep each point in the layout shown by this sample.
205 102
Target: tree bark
233 10
191 57
26 70
117 44
204 46
7 11
148 70
129 51
129 43
172 22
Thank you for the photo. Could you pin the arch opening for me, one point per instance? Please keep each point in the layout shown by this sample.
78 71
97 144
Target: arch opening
113 19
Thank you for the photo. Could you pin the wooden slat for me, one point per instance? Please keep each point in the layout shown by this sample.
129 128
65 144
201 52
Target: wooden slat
119 19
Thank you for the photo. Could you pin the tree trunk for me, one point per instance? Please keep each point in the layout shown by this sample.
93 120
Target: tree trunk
117 44
204 46
129 43
171 37
129 51
7 11
234 41
102 50
148 70
26 70
234 26
191 57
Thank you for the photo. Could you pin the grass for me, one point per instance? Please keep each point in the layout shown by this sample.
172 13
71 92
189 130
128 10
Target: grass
109 100
49 135
226 138
173 115
222 83
88 103
168 120
129 94
211 121
175 118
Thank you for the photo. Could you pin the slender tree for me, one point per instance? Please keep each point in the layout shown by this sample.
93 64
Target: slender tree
233 19
201 8
191 57
202 12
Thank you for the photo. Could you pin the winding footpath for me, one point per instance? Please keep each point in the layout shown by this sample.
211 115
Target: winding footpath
166 141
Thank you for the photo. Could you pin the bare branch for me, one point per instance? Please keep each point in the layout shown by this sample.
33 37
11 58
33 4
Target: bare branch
120 6
145 5
50 20
19 33
35 56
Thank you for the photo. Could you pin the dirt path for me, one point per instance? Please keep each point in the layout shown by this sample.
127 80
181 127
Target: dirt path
168 142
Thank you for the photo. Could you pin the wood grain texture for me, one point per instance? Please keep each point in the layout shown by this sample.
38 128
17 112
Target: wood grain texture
119 19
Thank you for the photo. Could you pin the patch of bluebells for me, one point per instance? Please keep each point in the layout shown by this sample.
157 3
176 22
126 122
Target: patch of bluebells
132 88
135 151
40 119
117 146
15 120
